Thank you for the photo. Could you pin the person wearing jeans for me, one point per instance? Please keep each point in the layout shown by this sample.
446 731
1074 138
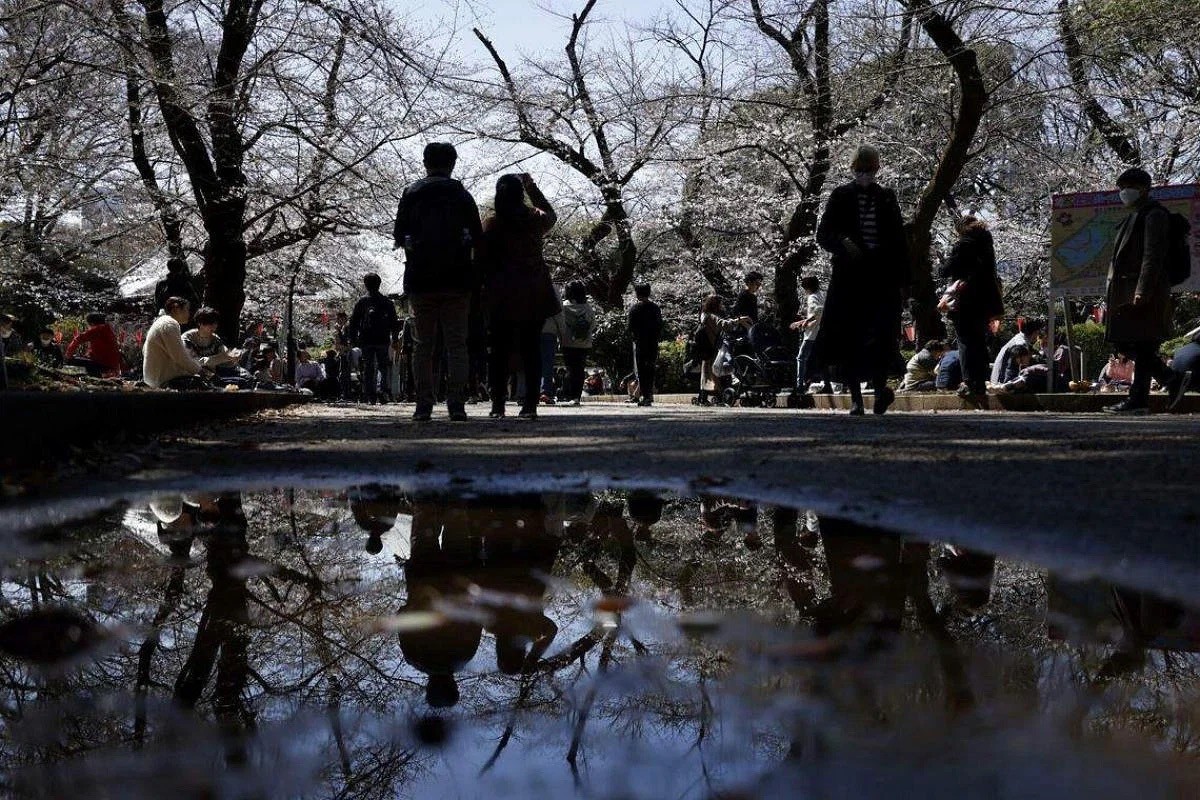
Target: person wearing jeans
579 325
809 327
551 335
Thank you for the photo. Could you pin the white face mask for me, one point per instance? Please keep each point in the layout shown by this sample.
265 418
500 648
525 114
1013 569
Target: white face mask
1130 196
864 178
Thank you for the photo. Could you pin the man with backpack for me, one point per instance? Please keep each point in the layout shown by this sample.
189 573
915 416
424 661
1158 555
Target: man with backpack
373 327
1139 287
438 225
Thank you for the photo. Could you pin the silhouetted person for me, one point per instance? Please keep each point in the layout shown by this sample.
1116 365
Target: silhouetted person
863 230
645 326
437 224
972 260
375 511
373 327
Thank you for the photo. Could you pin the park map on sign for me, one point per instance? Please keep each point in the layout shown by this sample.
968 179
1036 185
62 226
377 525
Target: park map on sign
1084 229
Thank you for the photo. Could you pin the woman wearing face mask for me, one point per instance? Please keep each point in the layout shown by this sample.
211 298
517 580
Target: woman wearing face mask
1139 290
863 230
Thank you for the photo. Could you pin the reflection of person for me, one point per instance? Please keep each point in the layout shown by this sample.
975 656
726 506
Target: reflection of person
1139 290
969 574
446 555
520 554
645 509
863 229
375 512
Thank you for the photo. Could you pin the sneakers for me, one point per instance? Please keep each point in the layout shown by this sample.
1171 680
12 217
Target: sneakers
856 410
458 414
644 403
422 414
527 413
1128 408
497 412
574 402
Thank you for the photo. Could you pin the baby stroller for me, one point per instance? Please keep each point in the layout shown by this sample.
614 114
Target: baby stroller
763 366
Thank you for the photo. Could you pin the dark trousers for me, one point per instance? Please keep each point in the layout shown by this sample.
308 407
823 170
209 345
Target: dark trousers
575 358
972 353
375 356
1147 364
526 338
645 360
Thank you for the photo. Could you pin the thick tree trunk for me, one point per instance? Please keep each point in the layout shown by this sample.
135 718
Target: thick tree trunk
972 105
225 267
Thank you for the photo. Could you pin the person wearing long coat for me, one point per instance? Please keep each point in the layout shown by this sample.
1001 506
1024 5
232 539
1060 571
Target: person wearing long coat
863 230
520 296
1139 290
715 327
972 260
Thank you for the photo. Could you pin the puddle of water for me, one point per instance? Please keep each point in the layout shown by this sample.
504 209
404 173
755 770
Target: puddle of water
376 643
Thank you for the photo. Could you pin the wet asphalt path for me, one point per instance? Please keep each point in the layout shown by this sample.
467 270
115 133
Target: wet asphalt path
1115 497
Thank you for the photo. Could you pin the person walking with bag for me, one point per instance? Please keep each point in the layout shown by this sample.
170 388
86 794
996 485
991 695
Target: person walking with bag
579 325
863 230
976 302
712 327
520 296
438 225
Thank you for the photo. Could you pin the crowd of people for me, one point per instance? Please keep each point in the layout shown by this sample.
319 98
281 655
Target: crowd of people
482 319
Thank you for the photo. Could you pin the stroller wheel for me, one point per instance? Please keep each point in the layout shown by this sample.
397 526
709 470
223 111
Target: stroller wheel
729 396
769 400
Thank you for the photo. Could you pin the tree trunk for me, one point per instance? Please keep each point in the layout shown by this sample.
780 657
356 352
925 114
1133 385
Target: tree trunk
225 266
972 105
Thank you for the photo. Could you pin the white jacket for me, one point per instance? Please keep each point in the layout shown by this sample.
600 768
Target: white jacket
164 356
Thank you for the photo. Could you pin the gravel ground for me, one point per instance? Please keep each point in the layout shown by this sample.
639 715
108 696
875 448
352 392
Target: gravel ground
1114 497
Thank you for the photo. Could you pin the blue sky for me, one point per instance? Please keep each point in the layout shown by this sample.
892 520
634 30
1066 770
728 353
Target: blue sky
524 25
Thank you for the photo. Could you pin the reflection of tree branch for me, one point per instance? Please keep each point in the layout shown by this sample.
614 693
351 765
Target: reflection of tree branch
173 592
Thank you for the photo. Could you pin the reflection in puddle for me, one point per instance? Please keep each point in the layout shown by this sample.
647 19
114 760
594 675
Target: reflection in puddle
372 643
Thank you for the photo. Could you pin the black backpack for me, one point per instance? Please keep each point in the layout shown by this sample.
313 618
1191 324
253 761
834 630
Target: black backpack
376 326
440 230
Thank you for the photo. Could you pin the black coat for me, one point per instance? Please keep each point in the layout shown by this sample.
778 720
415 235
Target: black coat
517 278
973 259
437 224
861 321
1139 268
645 322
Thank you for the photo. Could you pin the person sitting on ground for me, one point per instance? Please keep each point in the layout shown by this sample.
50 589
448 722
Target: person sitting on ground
331 364
1002 370
309 373
10 340
166 362
268 368
102 355
921 372
1185 370
47 350
1117 374
206 346
950 372
1031 378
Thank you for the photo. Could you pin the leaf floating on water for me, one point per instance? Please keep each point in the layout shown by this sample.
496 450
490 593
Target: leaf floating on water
407 622
49 635
614 604
252 568
701 622
867 563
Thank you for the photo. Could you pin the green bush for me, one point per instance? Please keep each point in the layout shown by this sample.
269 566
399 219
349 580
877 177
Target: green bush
1089 337
670 376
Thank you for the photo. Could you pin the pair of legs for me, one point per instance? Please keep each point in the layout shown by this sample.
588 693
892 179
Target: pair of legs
1147 364
447 311
525 338
802 356
549 344
972 353
576 358
375 357
645 362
